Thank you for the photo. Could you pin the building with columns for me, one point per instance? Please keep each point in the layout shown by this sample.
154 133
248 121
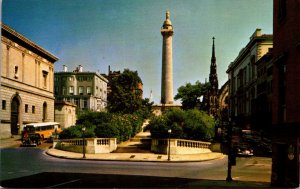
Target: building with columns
27 72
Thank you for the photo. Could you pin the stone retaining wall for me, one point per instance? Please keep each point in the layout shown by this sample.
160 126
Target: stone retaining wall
92 145
180 146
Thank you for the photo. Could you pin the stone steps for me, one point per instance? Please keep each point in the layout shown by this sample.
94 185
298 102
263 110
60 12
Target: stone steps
141 143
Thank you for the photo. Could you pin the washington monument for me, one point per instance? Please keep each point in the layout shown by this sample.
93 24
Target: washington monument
167 67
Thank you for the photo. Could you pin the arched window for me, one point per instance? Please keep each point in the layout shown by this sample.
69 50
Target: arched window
15 110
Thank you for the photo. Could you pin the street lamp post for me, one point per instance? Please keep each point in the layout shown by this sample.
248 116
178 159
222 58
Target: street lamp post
169 145
229 139
55 127
83 139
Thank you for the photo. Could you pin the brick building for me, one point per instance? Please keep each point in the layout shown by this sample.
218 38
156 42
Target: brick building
27 72
263 113
286 93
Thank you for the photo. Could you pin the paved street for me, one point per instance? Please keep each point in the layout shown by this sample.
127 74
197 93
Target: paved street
31 167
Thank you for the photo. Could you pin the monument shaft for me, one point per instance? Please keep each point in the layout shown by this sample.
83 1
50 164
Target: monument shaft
167 62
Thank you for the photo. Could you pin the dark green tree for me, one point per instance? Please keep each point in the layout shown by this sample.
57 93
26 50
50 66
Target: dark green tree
189 94
125 96
185 124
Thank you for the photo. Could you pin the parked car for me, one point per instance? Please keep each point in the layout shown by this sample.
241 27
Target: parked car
243 150
31 139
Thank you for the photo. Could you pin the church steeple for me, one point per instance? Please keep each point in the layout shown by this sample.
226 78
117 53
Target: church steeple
213 80
213 57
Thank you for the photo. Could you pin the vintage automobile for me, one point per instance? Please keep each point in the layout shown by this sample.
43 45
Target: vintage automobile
31 139
243 150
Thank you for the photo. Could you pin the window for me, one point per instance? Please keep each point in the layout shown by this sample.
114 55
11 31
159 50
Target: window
33 109
56 89
44 112
45 74
80 90
71 90
26 108
85 103
3 104
16 72
63 90
76 101
88 90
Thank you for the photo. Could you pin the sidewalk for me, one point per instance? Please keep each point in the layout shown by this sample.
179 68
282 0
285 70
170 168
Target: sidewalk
147 157
10 142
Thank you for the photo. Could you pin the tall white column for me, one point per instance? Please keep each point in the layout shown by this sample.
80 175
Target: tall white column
167 62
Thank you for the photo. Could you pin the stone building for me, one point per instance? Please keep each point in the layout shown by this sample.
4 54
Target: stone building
286 94
242 75
27 72
223 102
65 114
87 90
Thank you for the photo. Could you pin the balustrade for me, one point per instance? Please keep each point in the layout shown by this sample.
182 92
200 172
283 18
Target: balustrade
93 145
180 146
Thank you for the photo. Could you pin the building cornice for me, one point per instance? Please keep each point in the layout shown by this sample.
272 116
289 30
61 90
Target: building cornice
9 32
81 73
246 50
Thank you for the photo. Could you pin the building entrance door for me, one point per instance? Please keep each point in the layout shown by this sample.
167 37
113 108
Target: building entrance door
14 125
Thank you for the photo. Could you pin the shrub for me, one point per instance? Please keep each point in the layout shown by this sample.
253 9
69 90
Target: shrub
190 124
106 130
71 132
158 127
106 125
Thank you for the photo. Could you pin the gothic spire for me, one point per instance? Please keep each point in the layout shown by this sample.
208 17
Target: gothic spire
213 78
213 57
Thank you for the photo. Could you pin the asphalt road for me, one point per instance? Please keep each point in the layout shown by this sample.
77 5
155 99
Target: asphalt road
31 167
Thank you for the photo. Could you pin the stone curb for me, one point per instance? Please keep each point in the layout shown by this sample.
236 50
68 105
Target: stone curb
219 156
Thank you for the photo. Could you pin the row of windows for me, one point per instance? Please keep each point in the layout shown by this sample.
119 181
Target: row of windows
71 78
80 102
81 90
72 92
26 107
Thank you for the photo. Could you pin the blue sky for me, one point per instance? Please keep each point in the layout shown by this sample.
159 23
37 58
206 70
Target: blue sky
126 34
